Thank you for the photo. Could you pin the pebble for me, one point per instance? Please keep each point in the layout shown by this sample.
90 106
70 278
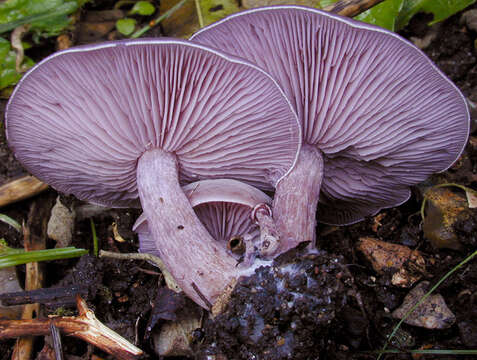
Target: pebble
469 19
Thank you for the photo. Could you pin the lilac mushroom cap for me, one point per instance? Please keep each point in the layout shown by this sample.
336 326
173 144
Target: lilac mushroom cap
224 206
81 118
116 122
372 106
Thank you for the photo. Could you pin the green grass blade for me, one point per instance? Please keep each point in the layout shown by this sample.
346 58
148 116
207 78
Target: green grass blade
164 16
95 238
8 220
23 257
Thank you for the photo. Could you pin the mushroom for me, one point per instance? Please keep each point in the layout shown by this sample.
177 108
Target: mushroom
377 115
226 209
116 122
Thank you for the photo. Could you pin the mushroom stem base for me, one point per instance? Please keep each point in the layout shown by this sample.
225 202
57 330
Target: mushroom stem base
296 199
200 266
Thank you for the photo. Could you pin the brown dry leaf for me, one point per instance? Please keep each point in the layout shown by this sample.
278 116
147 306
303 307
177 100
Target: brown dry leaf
471 198
408 265
183 22
433 313
444 207
166 304
97 25
174 338
63 42
117 236
61 224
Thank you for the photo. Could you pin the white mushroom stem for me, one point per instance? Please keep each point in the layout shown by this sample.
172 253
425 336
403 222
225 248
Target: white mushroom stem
296 199
199 264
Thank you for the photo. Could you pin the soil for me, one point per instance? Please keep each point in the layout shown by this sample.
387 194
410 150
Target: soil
351 326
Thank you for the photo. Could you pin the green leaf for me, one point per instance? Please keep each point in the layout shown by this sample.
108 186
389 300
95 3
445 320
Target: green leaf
324 3
214 10
143 8
8 74
396 14
441 9
48 17
383 14
126 26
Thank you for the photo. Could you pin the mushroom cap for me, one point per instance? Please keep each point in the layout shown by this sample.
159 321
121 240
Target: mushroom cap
81 118
224 206
379 110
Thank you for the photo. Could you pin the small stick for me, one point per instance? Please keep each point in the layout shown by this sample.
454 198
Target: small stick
170 282
351 8
34 278
20 189
55 295
85 326
202 296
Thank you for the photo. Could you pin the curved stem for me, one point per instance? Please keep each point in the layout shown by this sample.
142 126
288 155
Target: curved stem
296 199
199 264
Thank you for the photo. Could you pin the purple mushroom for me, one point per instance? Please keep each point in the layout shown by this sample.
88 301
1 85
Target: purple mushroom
377 115
116 122
225 207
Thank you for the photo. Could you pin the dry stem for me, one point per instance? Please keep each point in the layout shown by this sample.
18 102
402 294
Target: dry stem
351 8
85 326
20 189
170 282
33 280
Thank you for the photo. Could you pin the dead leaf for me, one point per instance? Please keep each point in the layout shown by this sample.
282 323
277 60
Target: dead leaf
471 198
174 338
408 265
183 22
443 208
166 304
433 313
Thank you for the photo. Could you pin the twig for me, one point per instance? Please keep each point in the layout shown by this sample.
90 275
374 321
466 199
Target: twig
154 22
49 296
34 279
202 296
85 326
351 8
170 282
20 189
199 13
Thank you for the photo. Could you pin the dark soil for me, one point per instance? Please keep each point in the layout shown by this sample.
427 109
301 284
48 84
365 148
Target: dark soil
284 311
356 320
